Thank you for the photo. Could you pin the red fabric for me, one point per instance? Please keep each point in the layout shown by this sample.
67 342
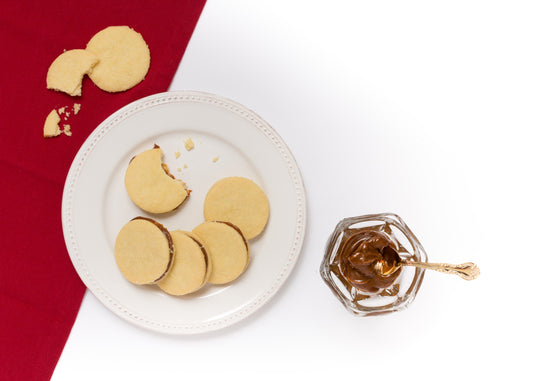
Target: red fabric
40 292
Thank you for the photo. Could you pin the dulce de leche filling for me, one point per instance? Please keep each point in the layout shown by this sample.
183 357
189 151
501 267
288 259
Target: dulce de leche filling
360 257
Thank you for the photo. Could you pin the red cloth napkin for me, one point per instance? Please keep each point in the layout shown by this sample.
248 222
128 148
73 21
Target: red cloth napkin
40 292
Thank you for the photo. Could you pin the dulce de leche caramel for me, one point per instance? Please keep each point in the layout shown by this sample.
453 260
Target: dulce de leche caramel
360 259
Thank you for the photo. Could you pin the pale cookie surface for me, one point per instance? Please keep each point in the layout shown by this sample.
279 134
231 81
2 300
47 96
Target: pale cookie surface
228 250
66 72
124 58
51 125
143 251
240 201
191 266
150 187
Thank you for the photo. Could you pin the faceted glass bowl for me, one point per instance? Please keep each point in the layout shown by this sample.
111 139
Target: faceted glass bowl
394 298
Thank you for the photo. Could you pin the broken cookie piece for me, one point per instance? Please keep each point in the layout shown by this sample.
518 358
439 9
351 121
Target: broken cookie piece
66 72
51 125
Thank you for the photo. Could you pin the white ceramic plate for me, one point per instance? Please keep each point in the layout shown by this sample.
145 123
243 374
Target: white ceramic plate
96 205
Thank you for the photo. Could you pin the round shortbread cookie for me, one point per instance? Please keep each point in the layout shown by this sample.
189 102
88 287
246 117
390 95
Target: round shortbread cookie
240 201
228 250
143 251
191 266
124 58
66 72
150 186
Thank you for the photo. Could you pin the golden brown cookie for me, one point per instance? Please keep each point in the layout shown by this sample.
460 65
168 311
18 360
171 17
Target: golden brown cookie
228 250
51 125
240 201
66 72
149 184
124 58
191 266
144 251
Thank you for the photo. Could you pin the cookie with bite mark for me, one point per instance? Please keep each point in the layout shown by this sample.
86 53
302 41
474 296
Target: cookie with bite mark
149 184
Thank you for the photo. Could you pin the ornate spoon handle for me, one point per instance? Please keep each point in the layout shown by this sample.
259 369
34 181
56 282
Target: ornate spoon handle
468 270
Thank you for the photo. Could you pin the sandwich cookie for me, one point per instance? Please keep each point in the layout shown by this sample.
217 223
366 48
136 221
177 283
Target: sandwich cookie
144 251
228 250
191 267
239 201
149 184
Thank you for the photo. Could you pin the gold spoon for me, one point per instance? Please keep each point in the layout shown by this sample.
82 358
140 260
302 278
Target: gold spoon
393 262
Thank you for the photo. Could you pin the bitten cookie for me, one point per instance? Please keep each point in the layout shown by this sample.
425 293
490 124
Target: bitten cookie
66 72
228 250
240 201
191 266
124 58
149 184
144 251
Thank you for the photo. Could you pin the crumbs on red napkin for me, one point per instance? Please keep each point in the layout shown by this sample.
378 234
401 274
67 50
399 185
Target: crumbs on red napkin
40 291
116 59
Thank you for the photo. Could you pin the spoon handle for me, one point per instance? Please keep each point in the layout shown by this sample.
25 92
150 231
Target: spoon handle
468 270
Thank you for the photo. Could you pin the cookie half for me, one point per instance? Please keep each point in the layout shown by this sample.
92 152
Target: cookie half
228 250
51 125
66 72
149 184
144 251
191 266
240 201
124 58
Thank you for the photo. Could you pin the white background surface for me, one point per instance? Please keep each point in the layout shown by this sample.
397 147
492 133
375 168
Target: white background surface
420 108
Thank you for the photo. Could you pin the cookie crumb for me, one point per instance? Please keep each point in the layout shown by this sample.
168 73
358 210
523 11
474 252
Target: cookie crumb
61 110
179 169
185 166
77 108
66 130
177 154
189 144
215 159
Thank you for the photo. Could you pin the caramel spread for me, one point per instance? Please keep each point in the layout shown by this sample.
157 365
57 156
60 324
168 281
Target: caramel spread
360 259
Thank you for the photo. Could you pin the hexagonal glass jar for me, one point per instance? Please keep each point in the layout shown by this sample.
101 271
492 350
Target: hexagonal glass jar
404 289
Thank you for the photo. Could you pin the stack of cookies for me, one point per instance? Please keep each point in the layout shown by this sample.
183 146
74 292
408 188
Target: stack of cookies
181 262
